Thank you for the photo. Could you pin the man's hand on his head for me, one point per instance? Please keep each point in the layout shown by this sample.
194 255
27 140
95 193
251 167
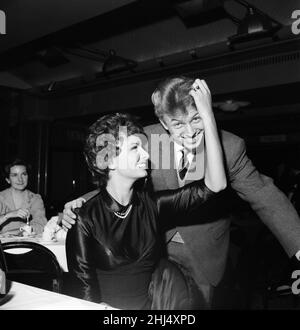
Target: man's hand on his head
202 97
69 217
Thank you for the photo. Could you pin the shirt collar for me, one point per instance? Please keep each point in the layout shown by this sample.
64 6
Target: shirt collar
178 148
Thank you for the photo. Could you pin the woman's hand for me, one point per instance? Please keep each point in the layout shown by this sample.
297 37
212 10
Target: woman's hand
19 213
202 98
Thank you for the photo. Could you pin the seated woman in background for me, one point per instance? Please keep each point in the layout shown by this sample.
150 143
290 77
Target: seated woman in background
19 205
116 243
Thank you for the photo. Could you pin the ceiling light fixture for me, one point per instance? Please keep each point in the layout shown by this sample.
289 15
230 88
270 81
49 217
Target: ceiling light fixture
116 64
255 25
230 105
51 86
199 12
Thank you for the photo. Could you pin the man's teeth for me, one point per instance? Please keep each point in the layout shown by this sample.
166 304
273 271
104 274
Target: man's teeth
142 165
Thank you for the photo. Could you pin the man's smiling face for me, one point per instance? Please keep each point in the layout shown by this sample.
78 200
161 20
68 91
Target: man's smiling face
186 128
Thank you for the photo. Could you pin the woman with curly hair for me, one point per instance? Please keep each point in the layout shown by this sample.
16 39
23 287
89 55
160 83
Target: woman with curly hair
115 249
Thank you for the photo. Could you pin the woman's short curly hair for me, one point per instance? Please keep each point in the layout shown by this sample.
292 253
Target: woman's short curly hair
15 162
172 94
102 142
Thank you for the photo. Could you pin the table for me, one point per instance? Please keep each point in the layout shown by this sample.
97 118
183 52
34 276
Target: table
57 247
22 296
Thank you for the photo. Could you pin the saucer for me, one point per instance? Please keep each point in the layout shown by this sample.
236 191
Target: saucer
52 240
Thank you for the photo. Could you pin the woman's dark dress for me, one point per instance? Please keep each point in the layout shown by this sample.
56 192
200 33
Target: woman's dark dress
112 259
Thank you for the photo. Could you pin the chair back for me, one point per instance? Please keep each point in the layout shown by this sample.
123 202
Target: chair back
3 286
2 259
33 265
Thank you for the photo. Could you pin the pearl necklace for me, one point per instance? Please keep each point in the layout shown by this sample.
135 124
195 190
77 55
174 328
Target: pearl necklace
124 214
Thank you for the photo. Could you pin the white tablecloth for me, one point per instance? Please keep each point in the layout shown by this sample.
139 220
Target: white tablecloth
21 297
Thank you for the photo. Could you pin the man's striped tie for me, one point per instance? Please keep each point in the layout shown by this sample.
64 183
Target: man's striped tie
184 165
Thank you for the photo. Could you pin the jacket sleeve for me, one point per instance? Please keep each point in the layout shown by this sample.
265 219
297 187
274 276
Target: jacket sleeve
80 262
269 203
37 211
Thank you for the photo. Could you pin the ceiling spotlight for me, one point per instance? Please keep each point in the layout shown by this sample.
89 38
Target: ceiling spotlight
230 105
51 86
115 63
255 25
254 22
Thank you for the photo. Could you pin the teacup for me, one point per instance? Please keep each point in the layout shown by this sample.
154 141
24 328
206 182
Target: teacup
26 230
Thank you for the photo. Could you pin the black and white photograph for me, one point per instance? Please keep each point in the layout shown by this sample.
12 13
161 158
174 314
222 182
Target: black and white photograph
150 157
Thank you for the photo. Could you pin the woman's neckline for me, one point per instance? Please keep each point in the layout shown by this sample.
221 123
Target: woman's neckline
18 196
113 205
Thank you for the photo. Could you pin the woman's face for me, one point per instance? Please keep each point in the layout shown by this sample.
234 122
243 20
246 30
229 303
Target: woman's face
132 162
18 177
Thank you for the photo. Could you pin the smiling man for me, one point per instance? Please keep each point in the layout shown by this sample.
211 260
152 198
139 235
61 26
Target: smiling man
202 250
185 128
180 119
